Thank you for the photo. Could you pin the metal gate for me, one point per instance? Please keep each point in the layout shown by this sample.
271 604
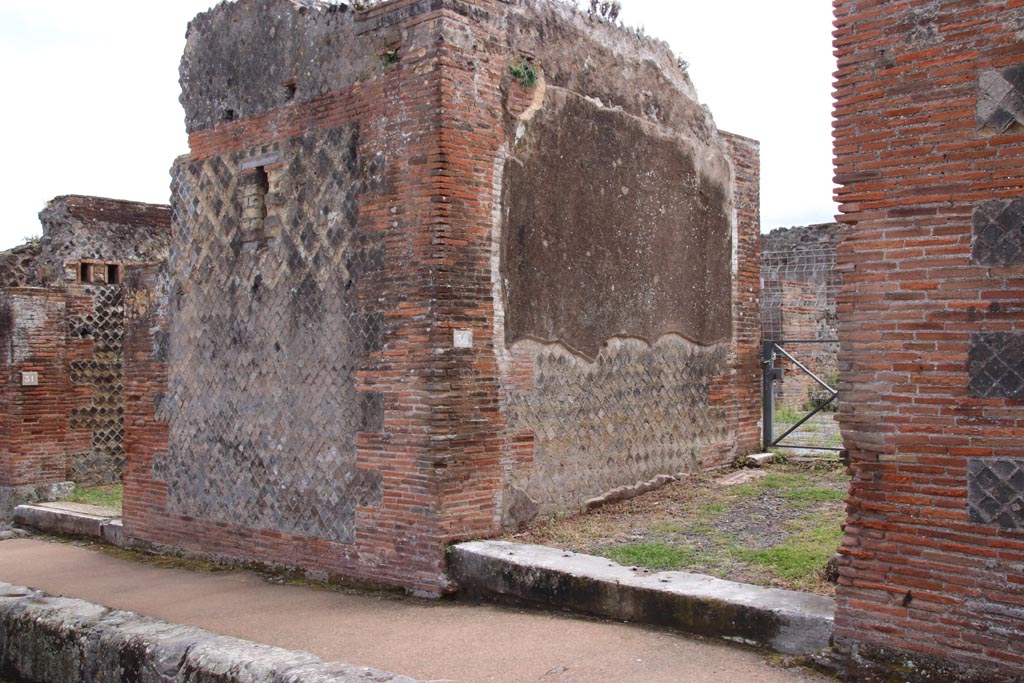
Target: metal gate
799 354
798 427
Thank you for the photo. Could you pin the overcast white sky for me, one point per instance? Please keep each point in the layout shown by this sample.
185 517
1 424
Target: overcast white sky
90 96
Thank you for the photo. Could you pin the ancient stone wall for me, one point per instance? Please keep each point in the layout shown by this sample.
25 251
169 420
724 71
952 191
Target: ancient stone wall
96 229
35 396
619 257
69 331
19 267
929 148
378 333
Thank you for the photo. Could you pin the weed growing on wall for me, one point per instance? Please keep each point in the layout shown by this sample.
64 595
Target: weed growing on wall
524 72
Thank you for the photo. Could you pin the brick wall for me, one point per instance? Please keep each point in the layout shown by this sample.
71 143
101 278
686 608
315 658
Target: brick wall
332 234
73 421
33 458
740 394
929 153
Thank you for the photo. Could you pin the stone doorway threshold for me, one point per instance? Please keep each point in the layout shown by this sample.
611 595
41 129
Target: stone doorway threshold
782 621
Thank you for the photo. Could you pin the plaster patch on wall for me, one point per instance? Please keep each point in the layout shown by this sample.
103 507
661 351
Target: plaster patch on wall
29 316
614 226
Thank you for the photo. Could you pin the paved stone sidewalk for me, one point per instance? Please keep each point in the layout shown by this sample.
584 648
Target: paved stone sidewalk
435 641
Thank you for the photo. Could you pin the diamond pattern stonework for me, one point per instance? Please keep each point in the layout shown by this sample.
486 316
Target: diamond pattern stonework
104 417
267 337
998 238
635 412
995 492
995 365
1000 98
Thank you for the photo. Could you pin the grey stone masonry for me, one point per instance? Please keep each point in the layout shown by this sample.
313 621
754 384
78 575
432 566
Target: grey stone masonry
782 621
48 639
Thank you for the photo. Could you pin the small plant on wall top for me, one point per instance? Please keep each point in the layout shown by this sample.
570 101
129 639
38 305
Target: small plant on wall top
524 72
390 57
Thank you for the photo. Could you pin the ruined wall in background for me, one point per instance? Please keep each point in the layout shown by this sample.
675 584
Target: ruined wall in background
799 284
78 228
70 331
929 142
19 267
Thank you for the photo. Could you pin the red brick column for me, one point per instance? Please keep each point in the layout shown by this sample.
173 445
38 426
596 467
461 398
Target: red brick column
929 149
742 388
34 424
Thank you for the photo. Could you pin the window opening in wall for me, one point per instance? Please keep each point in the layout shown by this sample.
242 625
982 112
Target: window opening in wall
289 92
98 273
262 188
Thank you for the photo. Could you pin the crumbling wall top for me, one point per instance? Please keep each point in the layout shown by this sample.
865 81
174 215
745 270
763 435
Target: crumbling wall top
19 266
244 58
252 56
77 228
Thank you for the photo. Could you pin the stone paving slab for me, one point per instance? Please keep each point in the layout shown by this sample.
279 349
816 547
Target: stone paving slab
72 519
787 622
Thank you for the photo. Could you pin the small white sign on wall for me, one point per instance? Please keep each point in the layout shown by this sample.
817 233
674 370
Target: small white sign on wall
463 339
30 379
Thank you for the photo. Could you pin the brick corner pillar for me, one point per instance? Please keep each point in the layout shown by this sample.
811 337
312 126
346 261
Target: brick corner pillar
929 144
34 398
744 386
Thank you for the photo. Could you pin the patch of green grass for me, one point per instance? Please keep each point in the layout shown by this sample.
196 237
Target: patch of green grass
666 528
812 494
787 414
801 557
773 481
109 495
652 555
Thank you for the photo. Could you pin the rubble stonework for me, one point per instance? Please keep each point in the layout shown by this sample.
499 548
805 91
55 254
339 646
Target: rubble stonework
928 142
68 425
410 299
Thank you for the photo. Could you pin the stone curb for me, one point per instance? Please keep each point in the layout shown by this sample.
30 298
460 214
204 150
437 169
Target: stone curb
53 519
786 622
47 639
